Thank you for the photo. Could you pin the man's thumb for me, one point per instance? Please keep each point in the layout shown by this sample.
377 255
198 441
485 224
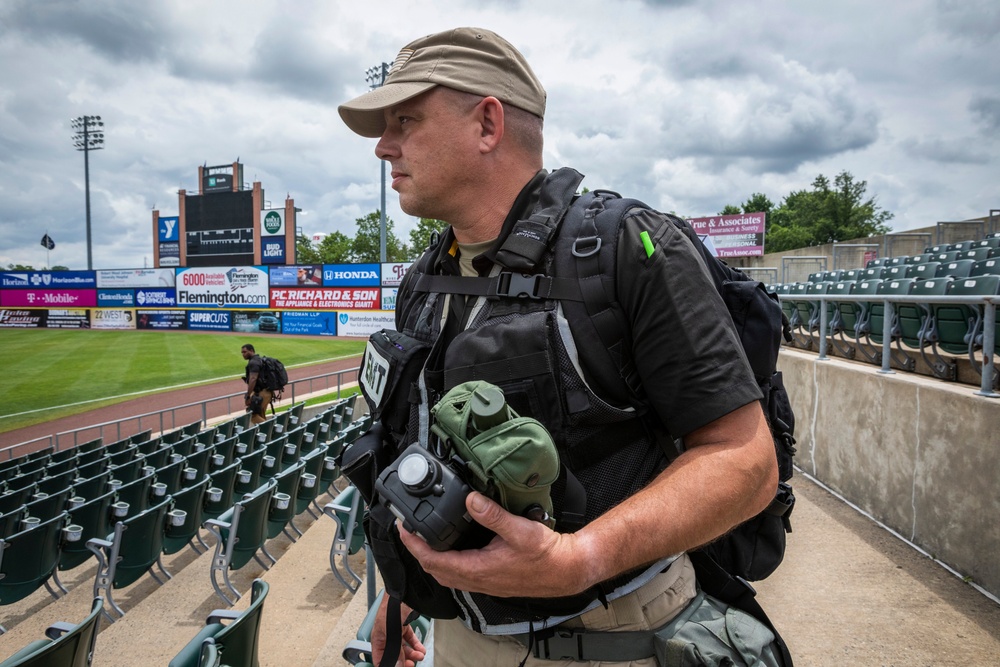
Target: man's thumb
485 512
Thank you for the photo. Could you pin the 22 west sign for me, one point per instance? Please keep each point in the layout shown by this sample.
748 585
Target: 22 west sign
222 287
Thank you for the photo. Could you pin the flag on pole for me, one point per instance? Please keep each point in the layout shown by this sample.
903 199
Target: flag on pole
48 242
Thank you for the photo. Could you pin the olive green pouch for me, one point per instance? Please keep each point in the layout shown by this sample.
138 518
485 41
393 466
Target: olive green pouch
510 458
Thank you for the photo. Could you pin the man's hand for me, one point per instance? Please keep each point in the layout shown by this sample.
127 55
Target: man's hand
411 652
525 559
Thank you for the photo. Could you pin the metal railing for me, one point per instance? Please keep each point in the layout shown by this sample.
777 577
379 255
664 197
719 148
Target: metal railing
989 304
168 419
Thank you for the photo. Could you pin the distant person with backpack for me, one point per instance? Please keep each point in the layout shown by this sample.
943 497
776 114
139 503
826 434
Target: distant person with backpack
258 397
603 320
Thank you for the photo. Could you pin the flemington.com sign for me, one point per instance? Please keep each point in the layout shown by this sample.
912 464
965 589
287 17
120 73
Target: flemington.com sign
733 235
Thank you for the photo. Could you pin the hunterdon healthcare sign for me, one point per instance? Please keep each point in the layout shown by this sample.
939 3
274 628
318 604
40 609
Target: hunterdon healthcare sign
223 287
733 235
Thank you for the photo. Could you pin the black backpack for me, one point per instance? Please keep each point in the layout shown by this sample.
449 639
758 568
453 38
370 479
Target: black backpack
273 375
583 231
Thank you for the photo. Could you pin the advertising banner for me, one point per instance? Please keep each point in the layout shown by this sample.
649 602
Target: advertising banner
326 299
155 297
23 319
135 278
168 229
364 324
48 298
257 322
222 287
311 324
733 235
392 273
272 251
272 222
48 279
68 319
112 319
209 320
389 298
115 298
351 275
160 319
170 254
305 275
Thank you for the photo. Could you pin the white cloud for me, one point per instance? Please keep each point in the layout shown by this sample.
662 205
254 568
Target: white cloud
687 105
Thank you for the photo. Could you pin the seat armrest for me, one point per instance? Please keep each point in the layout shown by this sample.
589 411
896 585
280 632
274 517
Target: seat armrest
223 614
58 629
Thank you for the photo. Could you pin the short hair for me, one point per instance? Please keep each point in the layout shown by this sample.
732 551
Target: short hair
524 127
248 346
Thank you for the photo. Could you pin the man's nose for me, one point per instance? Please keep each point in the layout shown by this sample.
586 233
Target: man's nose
387 147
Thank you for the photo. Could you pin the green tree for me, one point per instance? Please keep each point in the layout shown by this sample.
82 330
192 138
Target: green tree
365 246
758 203
420 236
60 267
827 213
729 209
20 267
305 251
335 248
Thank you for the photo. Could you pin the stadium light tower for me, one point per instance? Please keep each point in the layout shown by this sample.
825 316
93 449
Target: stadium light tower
375 76
89 136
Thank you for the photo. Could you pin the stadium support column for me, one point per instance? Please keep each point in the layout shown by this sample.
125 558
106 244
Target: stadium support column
290 226
156 238
258 206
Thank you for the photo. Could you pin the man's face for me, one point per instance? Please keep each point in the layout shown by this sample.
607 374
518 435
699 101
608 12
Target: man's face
246 353
431 142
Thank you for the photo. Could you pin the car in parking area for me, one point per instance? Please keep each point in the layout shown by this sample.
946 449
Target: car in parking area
268 323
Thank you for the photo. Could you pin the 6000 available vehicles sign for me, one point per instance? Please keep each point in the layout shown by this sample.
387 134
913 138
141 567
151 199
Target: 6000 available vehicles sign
223 287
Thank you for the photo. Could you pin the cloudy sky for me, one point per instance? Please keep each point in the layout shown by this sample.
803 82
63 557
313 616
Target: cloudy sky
687 104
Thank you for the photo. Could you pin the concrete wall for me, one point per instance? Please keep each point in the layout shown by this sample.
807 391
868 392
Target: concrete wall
920 455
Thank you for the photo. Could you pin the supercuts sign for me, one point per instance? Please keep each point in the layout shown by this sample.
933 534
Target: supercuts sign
326 299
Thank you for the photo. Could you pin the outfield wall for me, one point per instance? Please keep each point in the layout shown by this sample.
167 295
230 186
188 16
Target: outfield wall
318 299
920 455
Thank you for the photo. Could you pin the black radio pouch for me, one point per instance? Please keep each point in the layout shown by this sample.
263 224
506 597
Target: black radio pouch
389 372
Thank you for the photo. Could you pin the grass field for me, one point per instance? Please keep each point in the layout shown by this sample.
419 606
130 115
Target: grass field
45 369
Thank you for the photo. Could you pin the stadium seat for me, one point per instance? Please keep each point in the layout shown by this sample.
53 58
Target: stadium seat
850 276
92 487
248 478
25 480
877 262
273 451
130 552
310 486
141 437
959 268
92 469
10 522
57 467
282 508
877 319
15 498
922 271
961 246
986 267
978 286
349 536
310 436
916 319
295 414
45 506
66 645
219 496
134 496
97 444
86 458
358 651
240 533
56 483
815 312
29 558
896 261
191 501
92 518
237 641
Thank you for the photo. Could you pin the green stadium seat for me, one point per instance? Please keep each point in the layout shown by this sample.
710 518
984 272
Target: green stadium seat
66 645
901 286
191 501
15 498
248 478
45 506
986 267
282 508
129 552
92 487
219 496
310 485
134 496
236 641
29 558
959 268
349 537
10 522
240 533
877 262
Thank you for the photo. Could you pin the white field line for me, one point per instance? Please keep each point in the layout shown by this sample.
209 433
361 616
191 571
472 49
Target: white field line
152 391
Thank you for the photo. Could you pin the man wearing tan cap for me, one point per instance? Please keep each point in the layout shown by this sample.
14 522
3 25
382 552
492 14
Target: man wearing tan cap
459 119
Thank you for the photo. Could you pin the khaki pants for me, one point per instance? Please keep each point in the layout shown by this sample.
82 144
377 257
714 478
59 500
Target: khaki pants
650 607
258 417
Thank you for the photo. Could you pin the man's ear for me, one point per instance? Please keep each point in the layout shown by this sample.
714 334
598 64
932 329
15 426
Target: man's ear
491 119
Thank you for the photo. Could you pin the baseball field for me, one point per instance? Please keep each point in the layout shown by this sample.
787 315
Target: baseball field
55 373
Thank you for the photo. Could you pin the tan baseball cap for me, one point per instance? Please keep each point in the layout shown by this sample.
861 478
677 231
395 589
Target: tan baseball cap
471 60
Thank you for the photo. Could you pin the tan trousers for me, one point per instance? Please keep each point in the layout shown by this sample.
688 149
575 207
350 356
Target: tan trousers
650 607
259 417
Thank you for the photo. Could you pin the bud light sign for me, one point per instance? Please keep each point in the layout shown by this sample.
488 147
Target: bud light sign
272 251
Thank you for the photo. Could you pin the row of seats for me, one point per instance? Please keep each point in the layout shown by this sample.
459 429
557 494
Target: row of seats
932 329
229 633
78 517
961 268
